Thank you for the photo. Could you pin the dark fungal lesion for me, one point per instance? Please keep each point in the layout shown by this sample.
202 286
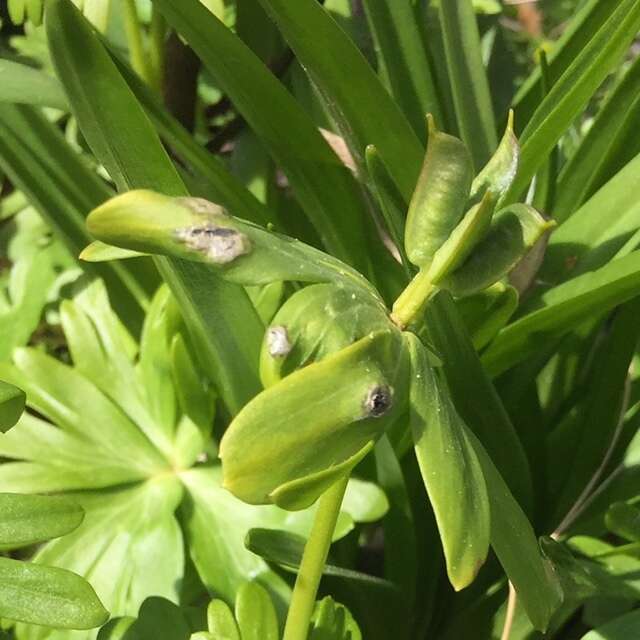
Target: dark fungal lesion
220 245
378 401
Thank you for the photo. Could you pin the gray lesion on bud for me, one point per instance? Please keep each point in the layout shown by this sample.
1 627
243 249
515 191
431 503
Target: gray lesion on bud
220 244
278 341
378 401
202 206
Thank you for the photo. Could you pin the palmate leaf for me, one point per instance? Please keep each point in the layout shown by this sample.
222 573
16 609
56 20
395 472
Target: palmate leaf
123 448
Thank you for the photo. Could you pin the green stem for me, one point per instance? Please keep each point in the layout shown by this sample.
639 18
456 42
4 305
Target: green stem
313 561
134 38
413 299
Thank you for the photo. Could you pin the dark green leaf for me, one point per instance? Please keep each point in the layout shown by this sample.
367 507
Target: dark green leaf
475 397
571 92
468 78
515 544
325 187
450 470
402 60
346 82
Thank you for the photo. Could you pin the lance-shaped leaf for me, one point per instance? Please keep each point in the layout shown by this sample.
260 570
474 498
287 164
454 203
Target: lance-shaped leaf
457 247
515 544
295 438
27 519
498 174
450 469
198 230
12 401
514 232
313 323
48 596
438 201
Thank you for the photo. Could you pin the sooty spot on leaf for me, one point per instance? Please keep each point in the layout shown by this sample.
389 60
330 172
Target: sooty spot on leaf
220 244
378 401
278 341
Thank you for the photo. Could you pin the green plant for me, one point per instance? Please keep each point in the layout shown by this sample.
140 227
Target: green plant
436 347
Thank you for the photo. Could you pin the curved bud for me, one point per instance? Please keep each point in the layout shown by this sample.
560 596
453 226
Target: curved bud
498 174
438 202
515 231
198 230
297 437
457 247
313 323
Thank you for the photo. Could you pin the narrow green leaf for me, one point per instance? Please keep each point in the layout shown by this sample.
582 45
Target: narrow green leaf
26 519
588 240
602 406
562 308
572 91
225 187
48 596
229 347
326 189
12 401
468 78
605 149
402 60
450 470
255 613
622 628
22 84
515 544
346 81
392 205
475 397
582 27
399 528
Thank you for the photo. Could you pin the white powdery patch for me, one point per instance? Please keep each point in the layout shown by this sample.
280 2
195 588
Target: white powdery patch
220 244
278 341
